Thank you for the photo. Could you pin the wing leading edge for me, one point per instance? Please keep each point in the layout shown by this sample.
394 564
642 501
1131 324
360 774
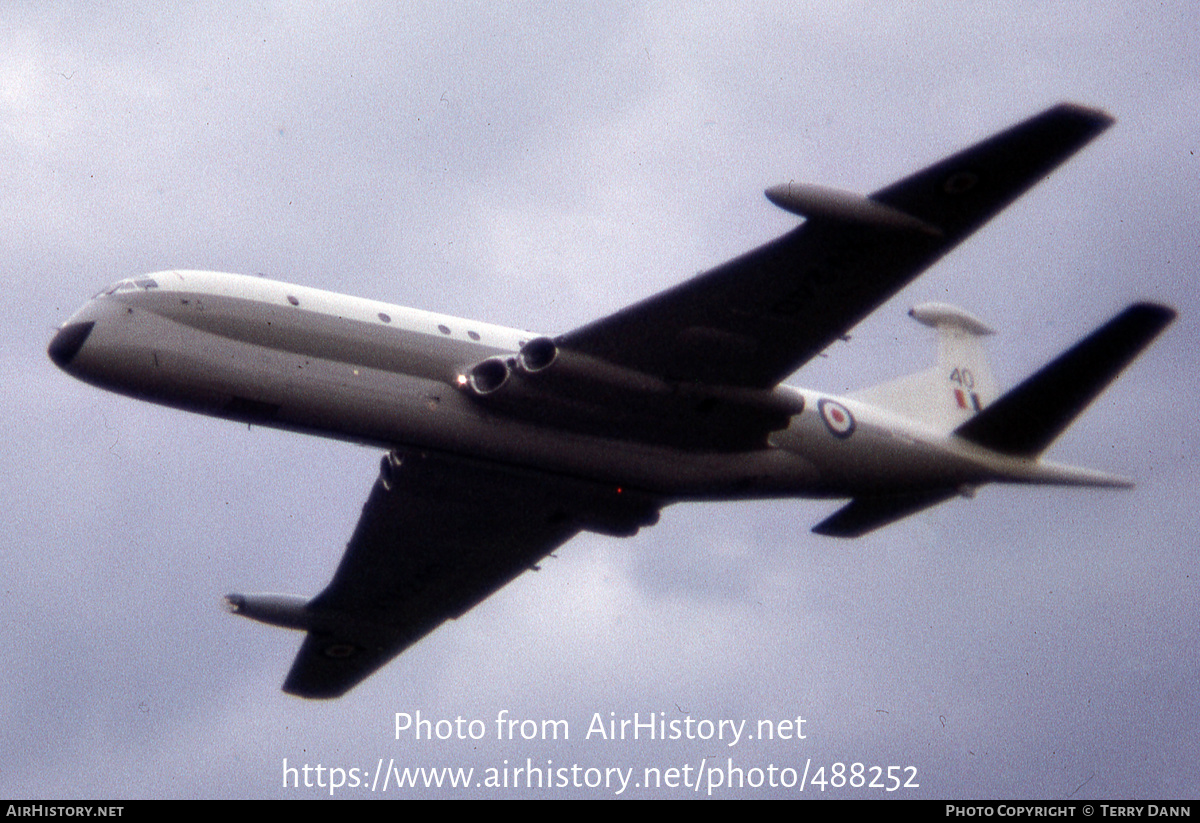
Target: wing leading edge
437 535
756 319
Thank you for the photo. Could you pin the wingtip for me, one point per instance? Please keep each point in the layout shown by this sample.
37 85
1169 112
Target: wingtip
314 690
1099 117
1160 311
1151 318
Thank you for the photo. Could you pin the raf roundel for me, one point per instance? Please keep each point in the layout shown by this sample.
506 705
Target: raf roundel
837 418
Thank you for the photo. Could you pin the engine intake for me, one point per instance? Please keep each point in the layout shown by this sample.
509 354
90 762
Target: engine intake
489 375
539 353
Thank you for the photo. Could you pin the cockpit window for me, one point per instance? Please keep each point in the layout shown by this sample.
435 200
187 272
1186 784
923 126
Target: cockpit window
146 283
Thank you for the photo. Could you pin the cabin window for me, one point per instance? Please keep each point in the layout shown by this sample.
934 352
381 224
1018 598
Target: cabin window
444 329
385 318
474 335
293 300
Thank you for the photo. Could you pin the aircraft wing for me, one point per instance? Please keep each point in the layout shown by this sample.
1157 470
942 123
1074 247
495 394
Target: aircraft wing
867 513
437 535
756 319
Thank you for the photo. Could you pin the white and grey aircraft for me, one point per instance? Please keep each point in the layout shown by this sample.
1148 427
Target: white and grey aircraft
502 444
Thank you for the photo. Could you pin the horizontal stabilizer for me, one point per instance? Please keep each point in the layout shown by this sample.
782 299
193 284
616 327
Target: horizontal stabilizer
1029 417
865 514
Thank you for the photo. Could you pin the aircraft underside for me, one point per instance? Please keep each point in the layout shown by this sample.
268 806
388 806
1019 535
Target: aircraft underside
168 362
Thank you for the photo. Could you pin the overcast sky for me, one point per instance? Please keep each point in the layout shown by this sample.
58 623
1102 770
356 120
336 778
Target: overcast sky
539 166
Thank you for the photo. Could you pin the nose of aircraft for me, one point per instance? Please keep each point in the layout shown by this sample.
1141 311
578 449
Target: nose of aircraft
68 341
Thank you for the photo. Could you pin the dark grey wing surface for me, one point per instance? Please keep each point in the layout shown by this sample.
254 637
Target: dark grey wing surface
1027 418
437 535
756 319
865 514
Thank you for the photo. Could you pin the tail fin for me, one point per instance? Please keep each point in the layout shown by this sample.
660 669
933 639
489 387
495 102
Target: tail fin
1029 417
961 383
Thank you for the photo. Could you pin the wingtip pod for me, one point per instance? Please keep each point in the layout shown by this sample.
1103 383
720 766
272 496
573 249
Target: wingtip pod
1041 142
289 611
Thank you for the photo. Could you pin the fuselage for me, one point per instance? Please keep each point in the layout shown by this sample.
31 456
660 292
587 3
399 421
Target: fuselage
298 358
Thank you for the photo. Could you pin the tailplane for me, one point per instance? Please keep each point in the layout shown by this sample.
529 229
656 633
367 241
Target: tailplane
1021 423
1029 417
